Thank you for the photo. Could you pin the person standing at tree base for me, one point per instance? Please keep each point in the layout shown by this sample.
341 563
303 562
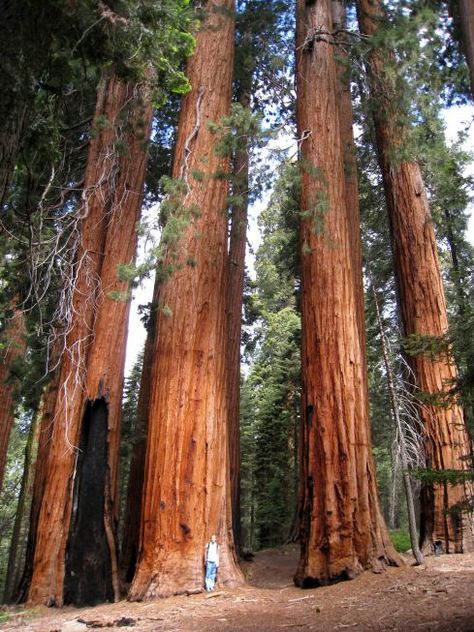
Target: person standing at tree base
212 563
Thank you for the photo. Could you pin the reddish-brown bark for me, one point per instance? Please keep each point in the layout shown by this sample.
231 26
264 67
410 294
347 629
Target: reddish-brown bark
421 301
342 530
14 347
72 544
186 491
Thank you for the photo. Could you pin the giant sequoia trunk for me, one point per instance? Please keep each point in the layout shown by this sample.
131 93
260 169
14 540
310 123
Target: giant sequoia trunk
75 553
13 348
186 492
466 10
342 530
422 303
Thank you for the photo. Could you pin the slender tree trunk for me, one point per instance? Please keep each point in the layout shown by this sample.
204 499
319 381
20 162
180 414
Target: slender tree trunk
133 509
75 556
23 501
422 303
466 10
342 528
14 340
187 485
235 289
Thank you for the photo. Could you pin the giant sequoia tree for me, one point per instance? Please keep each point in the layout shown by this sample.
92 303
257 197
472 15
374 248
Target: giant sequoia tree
186 489
421 296
75 538
342 527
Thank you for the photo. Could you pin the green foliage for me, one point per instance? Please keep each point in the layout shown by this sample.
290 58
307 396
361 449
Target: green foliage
451 477
271 390
132 430
422 344
11 487
400 540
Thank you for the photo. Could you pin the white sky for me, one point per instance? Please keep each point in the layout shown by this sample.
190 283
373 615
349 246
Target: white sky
456 118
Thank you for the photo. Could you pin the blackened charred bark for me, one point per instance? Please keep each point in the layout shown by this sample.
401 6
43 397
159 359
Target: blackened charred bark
88 573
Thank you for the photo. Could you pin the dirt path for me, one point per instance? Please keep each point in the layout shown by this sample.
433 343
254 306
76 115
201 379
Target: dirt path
438 597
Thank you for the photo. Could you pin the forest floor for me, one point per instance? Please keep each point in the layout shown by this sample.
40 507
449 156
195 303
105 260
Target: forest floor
438 597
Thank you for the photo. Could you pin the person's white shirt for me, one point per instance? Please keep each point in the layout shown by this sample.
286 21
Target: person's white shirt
213 552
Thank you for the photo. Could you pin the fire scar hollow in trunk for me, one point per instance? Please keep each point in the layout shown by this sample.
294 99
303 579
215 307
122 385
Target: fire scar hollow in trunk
88 576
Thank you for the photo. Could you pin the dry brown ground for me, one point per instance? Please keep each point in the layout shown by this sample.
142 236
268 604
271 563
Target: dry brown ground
437 597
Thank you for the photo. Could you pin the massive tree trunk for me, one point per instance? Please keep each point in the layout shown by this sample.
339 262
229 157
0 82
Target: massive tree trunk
13 340
466 10
342 528
422 302
75 555
235 289
186 493
351 187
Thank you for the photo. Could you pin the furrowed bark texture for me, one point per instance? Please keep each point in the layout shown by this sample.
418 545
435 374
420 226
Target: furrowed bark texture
235 289
75 548
14 339
342 528
133 509
344 101
422 305
466 9
186 492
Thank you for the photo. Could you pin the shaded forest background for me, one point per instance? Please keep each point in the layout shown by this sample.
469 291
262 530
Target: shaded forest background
54 60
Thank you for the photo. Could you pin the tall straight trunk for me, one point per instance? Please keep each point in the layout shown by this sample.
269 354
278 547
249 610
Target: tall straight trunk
75 556
422 303
133 507
187 488
14 340
351 186
235 289
466 10
342 530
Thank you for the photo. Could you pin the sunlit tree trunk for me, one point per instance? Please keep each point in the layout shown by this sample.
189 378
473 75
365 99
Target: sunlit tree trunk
186 492
421 300
12 349
342 530
75 555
